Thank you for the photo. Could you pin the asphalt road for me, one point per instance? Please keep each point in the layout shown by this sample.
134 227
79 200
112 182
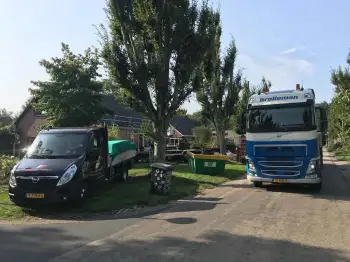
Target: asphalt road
234 222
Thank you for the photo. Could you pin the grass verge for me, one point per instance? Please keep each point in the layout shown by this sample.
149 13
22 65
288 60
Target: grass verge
135 191
8 210
342 155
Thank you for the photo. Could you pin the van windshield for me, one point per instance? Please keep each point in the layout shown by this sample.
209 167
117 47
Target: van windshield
297 117
63 145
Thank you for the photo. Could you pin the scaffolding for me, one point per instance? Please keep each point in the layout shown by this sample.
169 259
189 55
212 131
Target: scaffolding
132 126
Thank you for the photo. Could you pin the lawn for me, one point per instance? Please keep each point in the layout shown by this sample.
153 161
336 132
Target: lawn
135 192
7 209
342 155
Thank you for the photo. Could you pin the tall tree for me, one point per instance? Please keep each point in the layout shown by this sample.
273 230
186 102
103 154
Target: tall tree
221 86
245 94
6 117
72 96
199 117
152 51
181 112
339 122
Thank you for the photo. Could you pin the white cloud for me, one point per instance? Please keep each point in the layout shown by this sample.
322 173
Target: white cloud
283 72
289 51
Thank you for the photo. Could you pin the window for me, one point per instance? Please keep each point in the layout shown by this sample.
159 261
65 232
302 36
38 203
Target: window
58 145
94 142
281 118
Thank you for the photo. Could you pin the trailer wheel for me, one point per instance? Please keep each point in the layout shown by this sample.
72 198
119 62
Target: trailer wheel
83 194
124 174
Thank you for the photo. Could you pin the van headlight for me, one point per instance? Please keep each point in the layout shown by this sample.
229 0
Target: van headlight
12 180
68 175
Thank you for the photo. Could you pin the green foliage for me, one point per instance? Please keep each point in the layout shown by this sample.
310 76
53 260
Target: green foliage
181 112
42 127
247 91
72 96
152 51
199 118
6 117
113 132
338 113
6 165
221 85
147 130
8 137
202 137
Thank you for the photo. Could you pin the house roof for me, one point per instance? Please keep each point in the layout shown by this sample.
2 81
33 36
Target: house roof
118 108
124 114
183 124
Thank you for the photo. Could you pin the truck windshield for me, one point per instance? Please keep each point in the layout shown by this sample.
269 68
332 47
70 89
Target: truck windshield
63 145
281 118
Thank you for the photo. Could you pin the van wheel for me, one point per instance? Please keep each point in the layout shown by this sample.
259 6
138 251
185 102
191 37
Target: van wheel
124 174
258 184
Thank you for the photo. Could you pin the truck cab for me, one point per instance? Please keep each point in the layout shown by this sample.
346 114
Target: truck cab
283 138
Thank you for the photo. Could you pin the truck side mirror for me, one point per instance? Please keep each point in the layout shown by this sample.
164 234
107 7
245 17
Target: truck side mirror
321 119
241 124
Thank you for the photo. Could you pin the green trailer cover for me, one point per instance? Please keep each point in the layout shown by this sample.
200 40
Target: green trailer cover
116 147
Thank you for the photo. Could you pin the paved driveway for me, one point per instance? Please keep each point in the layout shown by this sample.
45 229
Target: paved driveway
234 222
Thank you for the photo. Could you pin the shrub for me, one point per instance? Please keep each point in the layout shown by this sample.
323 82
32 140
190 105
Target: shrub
113 132
203 137
6 165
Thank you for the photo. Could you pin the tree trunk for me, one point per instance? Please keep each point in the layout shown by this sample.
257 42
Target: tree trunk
221 140
161 129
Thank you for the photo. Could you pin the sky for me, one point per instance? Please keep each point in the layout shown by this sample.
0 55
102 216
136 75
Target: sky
288 42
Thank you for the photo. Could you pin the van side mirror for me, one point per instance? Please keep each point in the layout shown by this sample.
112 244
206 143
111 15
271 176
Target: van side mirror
241 124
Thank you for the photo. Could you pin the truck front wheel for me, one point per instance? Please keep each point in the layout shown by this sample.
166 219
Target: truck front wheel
317 187
257 184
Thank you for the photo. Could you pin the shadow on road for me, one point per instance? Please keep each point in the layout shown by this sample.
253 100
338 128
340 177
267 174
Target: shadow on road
197 203
334 186
35 243
213 246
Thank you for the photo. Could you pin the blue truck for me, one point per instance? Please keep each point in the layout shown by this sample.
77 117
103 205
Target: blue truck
284 137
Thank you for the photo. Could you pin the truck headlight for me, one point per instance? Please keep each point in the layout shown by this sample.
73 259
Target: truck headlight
251 165
312 166
68 175
12 180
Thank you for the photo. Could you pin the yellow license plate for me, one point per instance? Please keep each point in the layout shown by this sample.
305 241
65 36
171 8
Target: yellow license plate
32 195
280 180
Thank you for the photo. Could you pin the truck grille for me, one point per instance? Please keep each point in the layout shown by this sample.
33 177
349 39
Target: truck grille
280 173
287 150
280 164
